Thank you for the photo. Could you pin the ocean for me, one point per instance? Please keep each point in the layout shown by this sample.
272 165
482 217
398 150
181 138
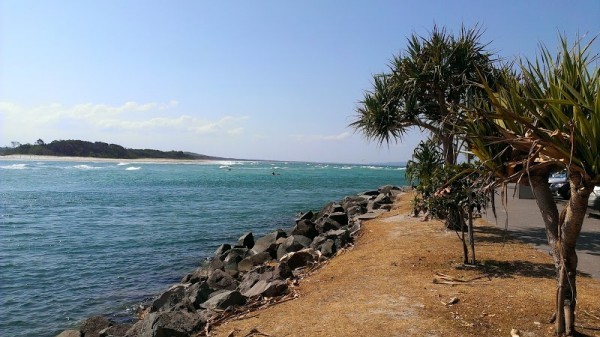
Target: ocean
99 238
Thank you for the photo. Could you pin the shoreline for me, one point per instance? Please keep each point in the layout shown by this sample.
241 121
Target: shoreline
238 276
30 158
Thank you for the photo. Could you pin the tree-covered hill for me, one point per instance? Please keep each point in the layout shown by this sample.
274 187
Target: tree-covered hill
80 148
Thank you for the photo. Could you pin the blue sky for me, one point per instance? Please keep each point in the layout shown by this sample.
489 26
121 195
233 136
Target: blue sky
245 79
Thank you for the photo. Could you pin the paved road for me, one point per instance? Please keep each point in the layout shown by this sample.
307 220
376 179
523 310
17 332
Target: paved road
525 221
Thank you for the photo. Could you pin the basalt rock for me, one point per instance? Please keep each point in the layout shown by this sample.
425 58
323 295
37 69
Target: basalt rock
224 300
267 289
341 237
389 190
170 299
222 250
268 244
327 248
254 260
204 272
306 228
197 294
325 224
246 240
303 258
222 280
92 326
339 217
169 324
234 256
293 243
118 330
306 216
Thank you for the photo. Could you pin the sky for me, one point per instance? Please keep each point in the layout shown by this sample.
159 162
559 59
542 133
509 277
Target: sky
273 80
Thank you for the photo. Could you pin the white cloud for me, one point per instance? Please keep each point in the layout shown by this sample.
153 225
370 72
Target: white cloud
97 118
318 138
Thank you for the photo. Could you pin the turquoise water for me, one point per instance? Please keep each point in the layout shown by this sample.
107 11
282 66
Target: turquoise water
81 239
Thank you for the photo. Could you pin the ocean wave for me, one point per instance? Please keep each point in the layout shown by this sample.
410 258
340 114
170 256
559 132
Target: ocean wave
122 164
86 167
133 168
15 167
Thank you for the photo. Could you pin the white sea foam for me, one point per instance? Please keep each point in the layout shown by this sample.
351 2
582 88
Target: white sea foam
122 164
15 167
86 167
133 168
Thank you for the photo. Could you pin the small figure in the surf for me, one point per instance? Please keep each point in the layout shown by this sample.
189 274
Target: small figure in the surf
275 174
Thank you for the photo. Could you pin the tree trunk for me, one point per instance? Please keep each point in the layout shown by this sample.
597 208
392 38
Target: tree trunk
547 205
571 221
562 233
448 149
471 234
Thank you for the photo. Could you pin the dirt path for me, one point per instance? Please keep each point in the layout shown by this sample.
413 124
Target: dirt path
403 278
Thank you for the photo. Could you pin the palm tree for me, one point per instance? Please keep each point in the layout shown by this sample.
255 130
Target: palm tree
426 88
425 161
547 118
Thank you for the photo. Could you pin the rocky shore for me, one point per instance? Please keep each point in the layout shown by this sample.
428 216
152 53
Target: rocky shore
251 273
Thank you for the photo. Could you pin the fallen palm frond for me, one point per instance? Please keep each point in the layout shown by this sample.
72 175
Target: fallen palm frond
451 280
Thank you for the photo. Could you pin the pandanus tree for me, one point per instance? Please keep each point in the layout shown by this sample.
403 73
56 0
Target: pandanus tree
426 88
544 119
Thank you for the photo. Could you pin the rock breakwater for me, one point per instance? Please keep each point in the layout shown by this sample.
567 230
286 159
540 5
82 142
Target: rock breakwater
248 274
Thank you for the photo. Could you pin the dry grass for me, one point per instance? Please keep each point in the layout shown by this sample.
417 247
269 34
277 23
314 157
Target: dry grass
402 274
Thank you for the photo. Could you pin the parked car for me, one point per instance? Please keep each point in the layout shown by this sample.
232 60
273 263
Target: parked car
559 184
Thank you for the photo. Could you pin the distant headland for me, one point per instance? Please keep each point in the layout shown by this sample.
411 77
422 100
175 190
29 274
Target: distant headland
80 148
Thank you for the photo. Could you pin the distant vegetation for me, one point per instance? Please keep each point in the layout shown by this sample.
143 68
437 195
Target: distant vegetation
80 148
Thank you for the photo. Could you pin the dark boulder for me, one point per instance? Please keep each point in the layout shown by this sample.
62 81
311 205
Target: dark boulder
388 189
340 237
221 280
222 250
234 256
203 273
170 299
250 279
328 209
303 258
246 240
326 224
306 228
382 199
339 217
253 260
267 243
267 289
293 243
281 272
118 330
306 216
92 326
352 201
224 299
169 324
197 294
327 248
370 193
354 227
